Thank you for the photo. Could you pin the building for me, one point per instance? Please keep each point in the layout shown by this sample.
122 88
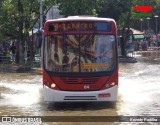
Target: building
53 13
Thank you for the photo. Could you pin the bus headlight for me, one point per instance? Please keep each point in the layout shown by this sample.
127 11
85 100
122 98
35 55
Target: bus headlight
53 85
110 84
113 83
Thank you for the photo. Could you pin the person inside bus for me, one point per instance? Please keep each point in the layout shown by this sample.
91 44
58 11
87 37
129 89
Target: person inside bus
54 65
74 64
65 61
50 64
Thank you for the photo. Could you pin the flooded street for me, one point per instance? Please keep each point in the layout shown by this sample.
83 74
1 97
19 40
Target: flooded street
139 95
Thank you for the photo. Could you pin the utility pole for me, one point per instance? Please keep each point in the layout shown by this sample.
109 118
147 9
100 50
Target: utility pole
41 15
156 16
141 20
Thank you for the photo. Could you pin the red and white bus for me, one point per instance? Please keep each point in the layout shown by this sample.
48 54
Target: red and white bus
80 60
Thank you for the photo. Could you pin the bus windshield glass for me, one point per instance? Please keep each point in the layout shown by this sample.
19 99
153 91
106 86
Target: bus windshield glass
80 53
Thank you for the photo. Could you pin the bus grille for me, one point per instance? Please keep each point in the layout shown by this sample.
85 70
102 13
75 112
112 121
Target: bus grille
92 80
80 98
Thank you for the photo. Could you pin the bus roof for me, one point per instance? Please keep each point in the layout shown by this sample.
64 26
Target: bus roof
83 18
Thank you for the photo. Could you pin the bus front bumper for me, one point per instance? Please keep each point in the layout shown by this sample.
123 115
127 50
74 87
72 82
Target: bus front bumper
51 95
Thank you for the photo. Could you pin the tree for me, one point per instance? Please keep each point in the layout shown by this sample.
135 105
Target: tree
17 17
112 8
77 7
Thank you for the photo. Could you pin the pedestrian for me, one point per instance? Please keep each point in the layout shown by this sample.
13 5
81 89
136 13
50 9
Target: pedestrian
158 40
13 52
144 45
1 52
28 55
7 45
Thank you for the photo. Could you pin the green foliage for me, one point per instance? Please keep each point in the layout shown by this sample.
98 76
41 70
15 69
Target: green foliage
144 2
77 7
112 8
14 13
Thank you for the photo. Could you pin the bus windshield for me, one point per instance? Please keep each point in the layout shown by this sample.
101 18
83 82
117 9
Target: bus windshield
79 53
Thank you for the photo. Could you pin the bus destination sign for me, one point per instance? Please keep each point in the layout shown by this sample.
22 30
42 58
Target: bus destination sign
79 26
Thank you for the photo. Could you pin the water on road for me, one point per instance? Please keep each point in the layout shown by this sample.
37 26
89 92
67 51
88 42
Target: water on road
139 95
